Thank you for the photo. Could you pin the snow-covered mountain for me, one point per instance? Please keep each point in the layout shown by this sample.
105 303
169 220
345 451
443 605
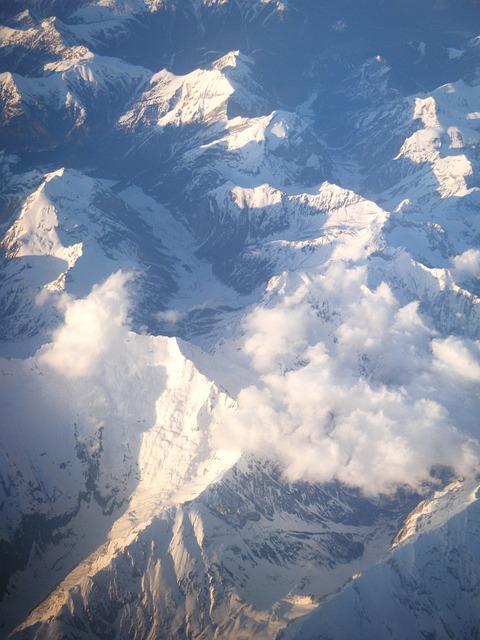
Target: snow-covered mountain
240 323
406 595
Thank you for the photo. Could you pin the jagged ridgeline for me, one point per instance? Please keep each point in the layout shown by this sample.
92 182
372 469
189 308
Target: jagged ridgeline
239 319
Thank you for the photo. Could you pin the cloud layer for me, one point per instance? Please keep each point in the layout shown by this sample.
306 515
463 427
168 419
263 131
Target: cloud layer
355 387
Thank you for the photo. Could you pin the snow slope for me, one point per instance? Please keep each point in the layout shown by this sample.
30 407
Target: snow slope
71 232
239 560
145 440
428 587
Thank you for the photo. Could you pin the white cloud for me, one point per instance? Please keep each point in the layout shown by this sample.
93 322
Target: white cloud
276 336
458 358
171 316
92 326
362 397
467 264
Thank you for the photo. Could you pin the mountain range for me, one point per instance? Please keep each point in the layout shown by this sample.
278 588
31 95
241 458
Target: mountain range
239 319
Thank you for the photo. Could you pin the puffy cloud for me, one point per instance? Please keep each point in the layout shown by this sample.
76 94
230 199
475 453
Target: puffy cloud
366 397
458 358
171 316
92 326
467 264
276 336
